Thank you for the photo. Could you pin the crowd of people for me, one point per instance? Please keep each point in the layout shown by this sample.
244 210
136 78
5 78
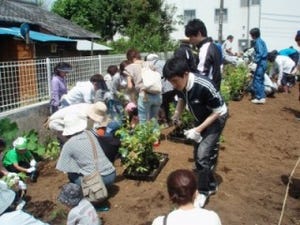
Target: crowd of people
89 114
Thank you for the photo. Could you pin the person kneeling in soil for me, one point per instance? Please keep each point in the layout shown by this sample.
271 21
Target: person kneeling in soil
19 159
182 189
8 213
81 210
210 114
76 157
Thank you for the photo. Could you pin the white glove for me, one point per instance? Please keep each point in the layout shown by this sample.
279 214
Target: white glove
33 163
22 185
193 134
30 170
11 174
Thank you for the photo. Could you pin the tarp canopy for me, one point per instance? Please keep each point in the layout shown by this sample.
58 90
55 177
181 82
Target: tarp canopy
85 45
33 35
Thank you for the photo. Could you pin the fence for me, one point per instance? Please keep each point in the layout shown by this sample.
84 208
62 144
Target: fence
26 83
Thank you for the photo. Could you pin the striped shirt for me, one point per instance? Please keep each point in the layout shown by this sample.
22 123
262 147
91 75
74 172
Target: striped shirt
77 156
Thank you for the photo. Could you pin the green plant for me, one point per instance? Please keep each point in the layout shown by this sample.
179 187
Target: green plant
136 148
33 144
8 131
52 149
236 78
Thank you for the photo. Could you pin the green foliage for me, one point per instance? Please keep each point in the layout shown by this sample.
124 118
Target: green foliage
187 119
136 148
33 144
235 80
52 149
8 131
147 24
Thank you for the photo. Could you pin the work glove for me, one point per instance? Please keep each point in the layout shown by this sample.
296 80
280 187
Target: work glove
22 185
175 120
193 135
31 169
33 163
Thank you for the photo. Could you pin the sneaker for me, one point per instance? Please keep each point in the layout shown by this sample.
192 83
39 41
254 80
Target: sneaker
21 205
259 101
200 200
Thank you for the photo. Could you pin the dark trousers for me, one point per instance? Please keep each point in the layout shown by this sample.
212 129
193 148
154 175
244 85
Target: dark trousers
206 155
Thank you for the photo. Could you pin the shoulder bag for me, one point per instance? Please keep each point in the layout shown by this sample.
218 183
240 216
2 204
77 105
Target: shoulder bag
92 185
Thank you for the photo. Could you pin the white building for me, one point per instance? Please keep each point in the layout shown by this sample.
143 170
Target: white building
278 20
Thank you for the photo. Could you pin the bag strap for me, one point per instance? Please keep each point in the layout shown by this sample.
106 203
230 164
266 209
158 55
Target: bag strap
165 219
94 149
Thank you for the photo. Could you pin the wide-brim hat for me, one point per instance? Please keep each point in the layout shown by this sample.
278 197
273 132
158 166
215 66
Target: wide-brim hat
152 57
70 194
7 197
74 123
97 112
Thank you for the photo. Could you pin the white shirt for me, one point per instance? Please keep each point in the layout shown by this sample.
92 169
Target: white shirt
227 46
56 120
285 65
19 217
195 216
82 92
83 214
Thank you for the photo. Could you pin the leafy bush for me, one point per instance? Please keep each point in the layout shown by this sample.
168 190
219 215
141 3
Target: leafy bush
136 148
8 131
235 80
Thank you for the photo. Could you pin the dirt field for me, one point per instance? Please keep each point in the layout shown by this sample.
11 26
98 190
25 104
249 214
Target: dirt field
260 149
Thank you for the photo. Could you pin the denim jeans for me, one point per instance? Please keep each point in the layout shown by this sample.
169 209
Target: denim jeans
107 179
206 155
258 81
148 106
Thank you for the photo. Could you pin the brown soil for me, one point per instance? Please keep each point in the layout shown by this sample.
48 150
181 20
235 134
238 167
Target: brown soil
260 149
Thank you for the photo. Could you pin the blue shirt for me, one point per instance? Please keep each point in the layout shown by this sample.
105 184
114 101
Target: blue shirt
261 51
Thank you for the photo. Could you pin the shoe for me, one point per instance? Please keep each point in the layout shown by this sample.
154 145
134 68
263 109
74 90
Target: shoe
200 200
213 191
259 101
21 205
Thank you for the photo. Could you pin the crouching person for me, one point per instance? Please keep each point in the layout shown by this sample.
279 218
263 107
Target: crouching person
81 210
77 155
19 159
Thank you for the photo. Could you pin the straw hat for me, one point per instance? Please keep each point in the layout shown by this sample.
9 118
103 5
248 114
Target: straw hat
7 197
74 123
97 112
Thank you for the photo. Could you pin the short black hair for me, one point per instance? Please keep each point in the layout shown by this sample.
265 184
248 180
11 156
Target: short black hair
255 32
175 66
195 26
182 185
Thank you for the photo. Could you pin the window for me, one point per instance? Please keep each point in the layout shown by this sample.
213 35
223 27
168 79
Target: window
217 15
189 15
244 3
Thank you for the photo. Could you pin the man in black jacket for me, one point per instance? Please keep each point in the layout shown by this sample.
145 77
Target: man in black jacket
209 55
210 114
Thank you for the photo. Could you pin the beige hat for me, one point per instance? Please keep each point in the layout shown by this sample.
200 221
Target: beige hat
97 112
7 197
74 123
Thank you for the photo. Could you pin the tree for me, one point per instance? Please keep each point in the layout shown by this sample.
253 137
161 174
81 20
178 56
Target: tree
147 23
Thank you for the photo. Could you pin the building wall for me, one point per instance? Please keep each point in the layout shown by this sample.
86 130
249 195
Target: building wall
278 20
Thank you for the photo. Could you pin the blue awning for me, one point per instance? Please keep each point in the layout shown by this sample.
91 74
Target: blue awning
33 35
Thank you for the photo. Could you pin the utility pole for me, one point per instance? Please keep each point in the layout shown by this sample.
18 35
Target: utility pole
220 33
248 23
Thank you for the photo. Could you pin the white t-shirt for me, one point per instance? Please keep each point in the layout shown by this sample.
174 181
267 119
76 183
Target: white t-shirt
83 214
19 217
195 216
82 92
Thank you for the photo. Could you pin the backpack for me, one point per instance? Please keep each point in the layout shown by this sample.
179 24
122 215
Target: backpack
151 79
290 52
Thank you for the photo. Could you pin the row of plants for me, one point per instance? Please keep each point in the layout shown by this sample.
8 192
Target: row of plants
235 81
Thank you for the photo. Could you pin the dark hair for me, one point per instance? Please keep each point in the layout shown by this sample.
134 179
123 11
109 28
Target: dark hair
123 64
229 37
185 52
175 66
112 69
2 143
255 32
297 37
100 82
195 26
132 54
182 185
272 55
